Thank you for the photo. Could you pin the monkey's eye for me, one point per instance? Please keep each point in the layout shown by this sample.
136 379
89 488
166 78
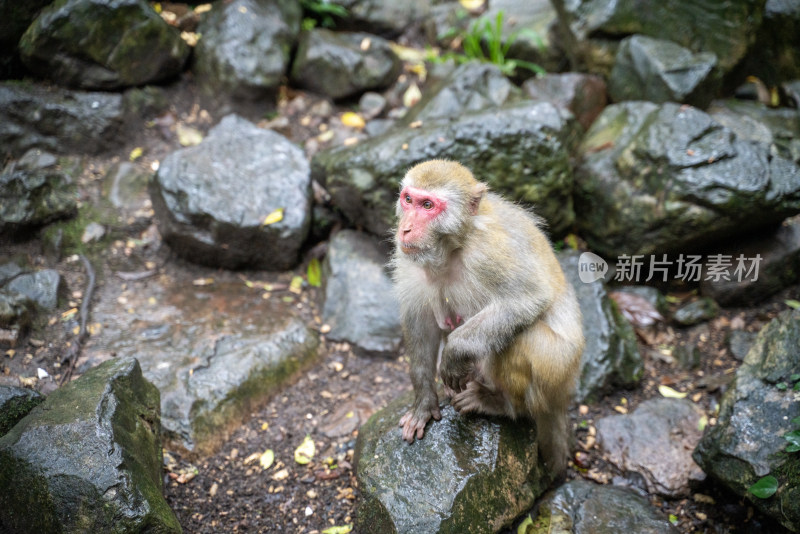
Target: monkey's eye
427 204
408 199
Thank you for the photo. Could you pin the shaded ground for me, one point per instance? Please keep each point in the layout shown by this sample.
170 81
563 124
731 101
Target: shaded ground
229 491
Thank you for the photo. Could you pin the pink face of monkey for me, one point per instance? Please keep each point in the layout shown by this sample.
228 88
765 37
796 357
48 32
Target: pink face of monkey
419 208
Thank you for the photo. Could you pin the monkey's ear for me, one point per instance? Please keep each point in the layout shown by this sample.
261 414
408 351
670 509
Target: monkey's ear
478 190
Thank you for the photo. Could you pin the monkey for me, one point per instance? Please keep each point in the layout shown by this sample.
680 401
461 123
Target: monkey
484 301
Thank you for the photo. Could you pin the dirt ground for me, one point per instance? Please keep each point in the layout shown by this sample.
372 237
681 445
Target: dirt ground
230 492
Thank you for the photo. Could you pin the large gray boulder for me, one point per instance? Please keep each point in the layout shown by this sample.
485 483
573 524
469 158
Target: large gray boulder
520 150
35 191
611 356
88 458
658 178
584 95
468 474
748 442
217 353
360 305
583 507
245 46
211 200
57 120
659 70
102 44
343 64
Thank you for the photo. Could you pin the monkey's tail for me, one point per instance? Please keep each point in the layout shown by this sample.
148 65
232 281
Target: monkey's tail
551 431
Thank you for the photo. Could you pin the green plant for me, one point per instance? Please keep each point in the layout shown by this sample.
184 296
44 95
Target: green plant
322 12
483 41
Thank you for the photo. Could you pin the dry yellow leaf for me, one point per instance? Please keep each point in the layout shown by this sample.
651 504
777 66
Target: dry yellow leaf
203 282
412 95
266 459
272 218
305 452
472 5
136 153
188 136
353 120
670 393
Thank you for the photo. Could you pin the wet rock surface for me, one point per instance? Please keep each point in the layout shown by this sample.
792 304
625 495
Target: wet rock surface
584 95
655 442
480 473
658 70
215 353
518 149
756 414
673 177
360 306
123 43
611 357
114 412
57 120
583 507
343 64
245 48
211 201
15 403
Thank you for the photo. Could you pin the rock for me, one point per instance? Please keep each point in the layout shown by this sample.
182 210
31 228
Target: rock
584 95
726 30
385 17
655 442
696 311
35 191
775 55
468 474
652 295
245 46
748 442
371 104
519 150
125 188
102 44
659 70
211 200
661 178
378 127
216 353
88 458
359 301
582 507
740 342
16 314
57 120
771 262
41 287
611 356
15 403
473 86
343 64
777 127
93 232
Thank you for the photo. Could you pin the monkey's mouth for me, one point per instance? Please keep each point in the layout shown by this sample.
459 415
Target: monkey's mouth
409 249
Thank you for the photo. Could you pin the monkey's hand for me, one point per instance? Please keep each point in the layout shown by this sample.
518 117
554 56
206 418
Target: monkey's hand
426 406
456 370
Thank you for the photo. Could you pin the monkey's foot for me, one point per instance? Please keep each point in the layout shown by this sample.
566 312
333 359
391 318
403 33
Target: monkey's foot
413 423
477 398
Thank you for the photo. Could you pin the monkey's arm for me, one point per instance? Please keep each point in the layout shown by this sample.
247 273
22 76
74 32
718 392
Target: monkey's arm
422 339
491 331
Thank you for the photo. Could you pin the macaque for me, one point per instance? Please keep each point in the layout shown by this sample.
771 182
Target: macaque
478 282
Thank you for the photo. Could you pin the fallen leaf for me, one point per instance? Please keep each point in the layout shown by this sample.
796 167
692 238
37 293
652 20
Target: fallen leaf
136 153
188 136
296 285
266 459
670 393
412 95
305 452
203 282
314 273
274 217
472 5
344 529
353 120
527 523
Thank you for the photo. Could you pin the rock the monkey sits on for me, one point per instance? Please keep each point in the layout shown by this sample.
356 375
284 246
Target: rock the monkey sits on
475 274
